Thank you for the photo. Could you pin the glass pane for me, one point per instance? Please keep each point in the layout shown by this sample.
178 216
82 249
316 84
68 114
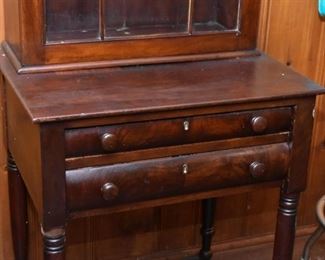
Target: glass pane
75 20
215 15
128 18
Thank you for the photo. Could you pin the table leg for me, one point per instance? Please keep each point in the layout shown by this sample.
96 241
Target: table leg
207 231
54 243
18 210
286 226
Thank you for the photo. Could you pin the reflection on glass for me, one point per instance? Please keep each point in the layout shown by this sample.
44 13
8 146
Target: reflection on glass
145 17
215 15
68 20
89 20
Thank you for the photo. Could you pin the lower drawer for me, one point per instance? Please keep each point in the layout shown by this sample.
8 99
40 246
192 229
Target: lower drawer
97 187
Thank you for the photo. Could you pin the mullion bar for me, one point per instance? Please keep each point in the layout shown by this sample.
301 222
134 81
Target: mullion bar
190 17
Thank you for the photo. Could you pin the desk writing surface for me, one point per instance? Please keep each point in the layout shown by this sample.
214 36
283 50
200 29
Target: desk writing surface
115 91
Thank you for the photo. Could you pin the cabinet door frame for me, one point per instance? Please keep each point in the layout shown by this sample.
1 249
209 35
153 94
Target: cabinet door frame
34 52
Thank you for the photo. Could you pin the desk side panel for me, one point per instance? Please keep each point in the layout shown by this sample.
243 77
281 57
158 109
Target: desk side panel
301 139
24 144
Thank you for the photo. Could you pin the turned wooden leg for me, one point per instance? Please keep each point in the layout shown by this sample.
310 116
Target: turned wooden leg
208 209
53 244
286 226
18 210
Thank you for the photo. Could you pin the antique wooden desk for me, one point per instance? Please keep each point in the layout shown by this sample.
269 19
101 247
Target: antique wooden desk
91 129
160 134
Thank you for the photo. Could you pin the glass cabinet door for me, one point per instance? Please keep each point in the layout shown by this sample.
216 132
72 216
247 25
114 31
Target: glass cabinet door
93 20
72 20
145 17
215 15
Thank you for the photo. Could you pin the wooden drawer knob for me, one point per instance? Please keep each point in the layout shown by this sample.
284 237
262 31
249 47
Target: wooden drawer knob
109 142
109 191
257 169
259 124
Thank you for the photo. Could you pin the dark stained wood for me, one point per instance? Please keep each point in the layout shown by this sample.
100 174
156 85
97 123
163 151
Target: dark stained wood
80 162
55 131
286 226
53 177
153 179
30 169
35 52
242 216
234 191
207 230
18 210
32 26
227 10
54 242
44 106
130 62
155 88
160 133
297 178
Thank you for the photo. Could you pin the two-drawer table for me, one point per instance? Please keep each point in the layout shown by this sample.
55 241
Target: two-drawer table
103 140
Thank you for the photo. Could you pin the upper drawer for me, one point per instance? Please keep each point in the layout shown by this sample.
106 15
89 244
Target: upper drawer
96 187
142 135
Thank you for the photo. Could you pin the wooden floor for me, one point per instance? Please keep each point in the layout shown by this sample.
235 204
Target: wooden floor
264 252
259 252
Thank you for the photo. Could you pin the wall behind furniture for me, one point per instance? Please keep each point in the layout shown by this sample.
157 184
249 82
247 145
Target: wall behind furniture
5 236
291 32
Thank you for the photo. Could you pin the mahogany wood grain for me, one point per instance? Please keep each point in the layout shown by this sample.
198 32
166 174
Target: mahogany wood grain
173 87
153 179
160 133
107 159
231 192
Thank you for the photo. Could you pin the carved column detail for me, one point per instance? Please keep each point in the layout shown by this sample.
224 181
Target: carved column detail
54 243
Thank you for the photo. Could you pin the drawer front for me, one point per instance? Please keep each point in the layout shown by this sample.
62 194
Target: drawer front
135 136
90 188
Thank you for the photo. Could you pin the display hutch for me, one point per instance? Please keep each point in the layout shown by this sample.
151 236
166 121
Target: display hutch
112 105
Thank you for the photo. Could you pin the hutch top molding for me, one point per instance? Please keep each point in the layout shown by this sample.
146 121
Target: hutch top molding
49 35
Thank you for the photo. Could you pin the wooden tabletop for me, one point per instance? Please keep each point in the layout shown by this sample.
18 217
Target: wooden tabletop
113 91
